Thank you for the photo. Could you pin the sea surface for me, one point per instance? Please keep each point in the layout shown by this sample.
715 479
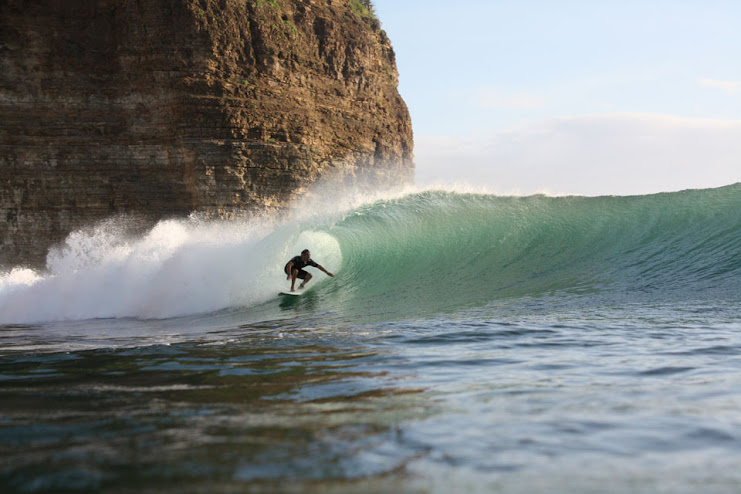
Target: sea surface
468 343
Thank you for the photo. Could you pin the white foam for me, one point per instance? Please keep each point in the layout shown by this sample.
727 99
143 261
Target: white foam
180 267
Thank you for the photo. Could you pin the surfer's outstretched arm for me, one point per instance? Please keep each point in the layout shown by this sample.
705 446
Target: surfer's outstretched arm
327 272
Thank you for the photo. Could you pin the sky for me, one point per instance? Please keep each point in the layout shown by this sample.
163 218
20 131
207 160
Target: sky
590 97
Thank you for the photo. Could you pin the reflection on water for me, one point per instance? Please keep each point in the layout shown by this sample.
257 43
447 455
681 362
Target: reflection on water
256 411
505 399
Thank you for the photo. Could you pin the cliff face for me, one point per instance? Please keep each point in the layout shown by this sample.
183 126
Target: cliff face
168 107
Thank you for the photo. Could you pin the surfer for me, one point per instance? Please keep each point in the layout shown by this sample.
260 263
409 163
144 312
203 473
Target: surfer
295 269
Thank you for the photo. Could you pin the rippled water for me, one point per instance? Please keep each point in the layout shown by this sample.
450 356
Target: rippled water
506 398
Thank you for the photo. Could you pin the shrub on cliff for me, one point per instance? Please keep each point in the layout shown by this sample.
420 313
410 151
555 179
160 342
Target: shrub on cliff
363 8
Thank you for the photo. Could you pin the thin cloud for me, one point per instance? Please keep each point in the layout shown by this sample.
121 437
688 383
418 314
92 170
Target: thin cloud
733 87
608 154
490 97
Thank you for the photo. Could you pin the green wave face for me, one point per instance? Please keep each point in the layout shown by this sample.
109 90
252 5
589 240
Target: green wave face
442 251
413 256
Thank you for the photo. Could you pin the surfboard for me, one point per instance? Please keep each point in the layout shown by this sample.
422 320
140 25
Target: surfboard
292 294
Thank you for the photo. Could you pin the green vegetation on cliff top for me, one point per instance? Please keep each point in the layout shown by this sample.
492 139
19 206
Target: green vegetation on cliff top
364 8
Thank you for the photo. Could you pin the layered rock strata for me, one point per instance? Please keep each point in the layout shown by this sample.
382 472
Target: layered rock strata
161 108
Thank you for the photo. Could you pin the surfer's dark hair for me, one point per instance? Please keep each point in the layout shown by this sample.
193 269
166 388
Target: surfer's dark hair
304 251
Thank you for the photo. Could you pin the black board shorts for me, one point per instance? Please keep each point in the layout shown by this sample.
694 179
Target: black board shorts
301 273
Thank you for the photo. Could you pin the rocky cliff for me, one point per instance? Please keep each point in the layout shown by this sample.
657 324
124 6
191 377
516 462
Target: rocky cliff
161 108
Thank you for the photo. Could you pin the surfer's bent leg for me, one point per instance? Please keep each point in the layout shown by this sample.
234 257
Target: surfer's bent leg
306 279
294 274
